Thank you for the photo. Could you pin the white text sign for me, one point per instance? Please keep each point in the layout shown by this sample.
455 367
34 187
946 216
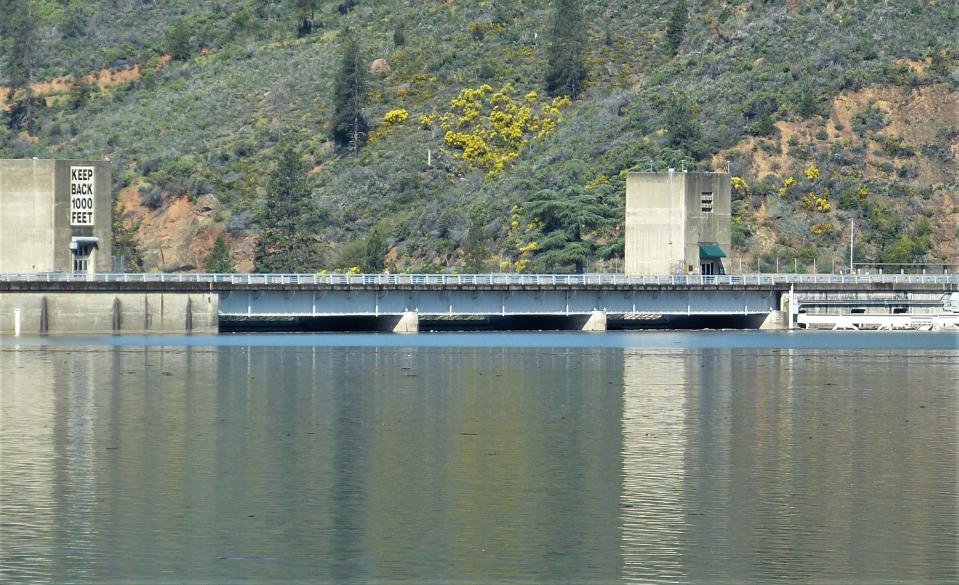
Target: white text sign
82 195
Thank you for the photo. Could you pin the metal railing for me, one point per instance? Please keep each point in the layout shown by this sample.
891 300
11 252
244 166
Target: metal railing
598 279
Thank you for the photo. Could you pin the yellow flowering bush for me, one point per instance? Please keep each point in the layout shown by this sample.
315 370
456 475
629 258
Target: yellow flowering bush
397 116
599 180
814 202
822 228
812 173
789 182
488 128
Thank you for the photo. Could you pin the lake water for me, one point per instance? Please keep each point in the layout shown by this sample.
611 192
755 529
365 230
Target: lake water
481 458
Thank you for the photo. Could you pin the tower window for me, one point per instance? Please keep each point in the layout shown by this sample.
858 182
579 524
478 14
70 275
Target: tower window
707 201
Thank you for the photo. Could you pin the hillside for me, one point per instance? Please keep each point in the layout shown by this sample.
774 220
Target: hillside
827 110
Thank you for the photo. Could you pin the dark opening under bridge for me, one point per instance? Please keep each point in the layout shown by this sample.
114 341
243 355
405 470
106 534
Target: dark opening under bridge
56 303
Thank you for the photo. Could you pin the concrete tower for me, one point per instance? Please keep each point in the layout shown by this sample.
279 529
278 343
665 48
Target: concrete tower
677 223
55 216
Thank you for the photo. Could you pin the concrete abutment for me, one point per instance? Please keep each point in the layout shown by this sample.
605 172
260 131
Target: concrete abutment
81 313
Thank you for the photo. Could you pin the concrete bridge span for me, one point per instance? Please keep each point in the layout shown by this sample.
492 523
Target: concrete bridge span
39 303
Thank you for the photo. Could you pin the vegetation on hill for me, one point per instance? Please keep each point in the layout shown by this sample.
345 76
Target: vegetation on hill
427 137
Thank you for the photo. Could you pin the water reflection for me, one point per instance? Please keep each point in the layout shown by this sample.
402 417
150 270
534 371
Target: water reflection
372 464
745 466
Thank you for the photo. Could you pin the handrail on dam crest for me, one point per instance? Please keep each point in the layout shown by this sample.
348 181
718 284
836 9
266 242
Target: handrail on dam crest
595 279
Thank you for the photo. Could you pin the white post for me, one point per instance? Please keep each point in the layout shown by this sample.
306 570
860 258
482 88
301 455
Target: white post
792 300
16 322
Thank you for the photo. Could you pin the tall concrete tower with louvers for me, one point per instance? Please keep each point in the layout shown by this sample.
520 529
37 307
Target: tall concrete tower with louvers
677 223
55 216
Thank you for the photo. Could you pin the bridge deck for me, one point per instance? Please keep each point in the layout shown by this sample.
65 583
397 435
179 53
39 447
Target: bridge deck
227 282
54 301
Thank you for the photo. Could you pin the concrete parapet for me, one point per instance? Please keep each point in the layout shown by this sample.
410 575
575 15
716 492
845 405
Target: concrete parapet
106 313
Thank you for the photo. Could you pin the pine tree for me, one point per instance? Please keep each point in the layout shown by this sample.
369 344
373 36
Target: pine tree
676 26
219 261
566 67
374 256
476 249
399 35
179 43
19 37
265 9
286 242
349 128
681 119
125 242
79 92
306 15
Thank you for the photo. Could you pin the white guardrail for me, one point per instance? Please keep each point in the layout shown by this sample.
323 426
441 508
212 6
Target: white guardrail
484 279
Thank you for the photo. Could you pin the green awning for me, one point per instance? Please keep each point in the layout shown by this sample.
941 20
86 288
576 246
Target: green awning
707 251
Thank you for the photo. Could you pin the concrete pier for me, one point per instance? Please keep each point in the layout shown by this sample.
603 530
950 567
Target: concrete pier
595 322
409 322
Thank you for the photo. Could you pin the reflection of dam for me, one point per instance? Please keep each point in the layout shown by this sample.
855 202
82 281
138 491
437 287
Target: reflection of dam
27 460
286 462
747 465
654 430
476 464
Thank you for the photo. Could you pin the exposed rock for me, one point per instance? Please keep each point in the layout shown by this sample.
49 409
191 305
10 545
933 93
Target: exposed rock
379 66
179 235
207 204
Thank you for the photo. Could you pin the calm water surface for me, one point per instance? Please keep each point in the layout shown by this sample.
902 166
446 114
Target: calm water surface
548 458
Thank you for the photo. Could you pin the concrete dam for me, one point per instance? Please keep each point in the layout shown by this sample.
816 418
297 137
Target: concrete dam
156 303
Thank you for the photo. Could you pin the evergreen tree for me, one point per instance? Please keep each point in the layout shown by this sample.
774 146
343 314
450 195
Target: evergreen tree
125 242
676 26
18 34
681 119
265 9
178 41
79 92
286 242
349 128
566 67
374 257
569 215
74 22
476 246
399 35
306 15
219 261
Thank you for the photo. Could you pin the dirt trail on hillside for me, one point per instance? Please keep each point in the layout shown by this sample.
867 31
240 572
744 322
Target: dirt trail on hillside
101 79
